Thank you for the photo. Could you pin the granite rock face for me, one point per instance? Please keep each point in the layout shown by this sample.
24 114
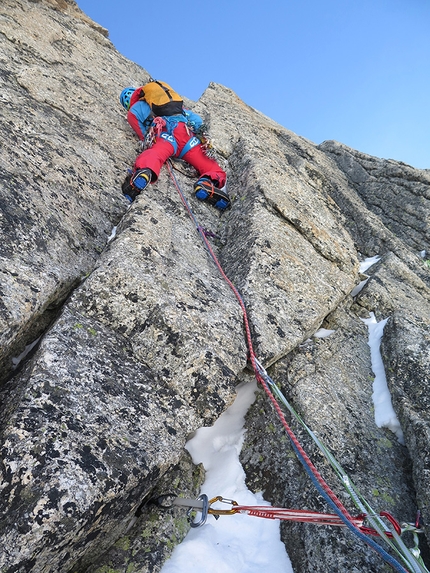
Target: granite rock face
395 192
140 338
60 163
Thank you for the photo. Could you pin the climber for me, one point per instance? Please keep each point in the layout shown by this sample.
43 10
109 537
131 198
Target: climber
157 115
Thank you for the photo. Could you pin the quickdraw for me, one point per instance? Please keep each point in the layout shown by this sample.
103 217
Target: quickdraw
154 131
204 506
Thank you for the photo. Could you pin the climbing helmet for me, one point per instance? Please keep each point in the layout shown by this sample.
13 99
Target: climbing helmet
125 97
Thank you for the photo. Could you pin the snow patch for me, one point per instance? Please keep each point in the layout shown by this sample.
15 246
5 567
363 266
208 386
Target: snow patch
359 287
385 416
323 333
364 265
235 542
112 235
16 360
367 263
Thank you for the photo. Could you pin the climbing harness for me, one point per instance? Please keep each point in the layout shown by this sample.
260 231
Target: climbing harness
341 516
164 126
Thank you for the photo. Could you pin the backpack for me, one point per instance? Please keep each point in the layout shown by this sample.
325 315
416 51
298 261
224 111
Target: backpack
161 98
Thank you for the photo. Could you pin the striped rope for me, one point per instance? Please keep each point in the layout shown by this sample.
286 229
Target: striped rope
316 478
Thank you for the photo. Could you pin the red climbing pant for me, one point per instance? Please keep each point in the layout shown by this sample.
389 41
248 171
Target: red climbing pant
159 153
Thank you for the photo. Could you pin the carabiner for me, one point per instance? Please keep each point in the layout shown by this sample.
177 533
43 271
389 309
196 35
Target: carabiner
393 521
218 512
204 498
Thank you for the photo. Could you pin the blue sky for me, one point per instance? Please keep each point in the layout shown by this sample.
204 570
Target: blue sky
357 71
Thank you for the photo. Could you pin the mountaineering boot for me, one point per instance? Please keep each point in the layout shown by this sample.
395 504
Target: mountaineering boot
129 191
130 188
205 190
141 178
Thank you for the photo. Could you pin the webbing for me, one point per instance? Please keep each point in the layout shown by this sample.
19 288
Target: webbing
316 478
